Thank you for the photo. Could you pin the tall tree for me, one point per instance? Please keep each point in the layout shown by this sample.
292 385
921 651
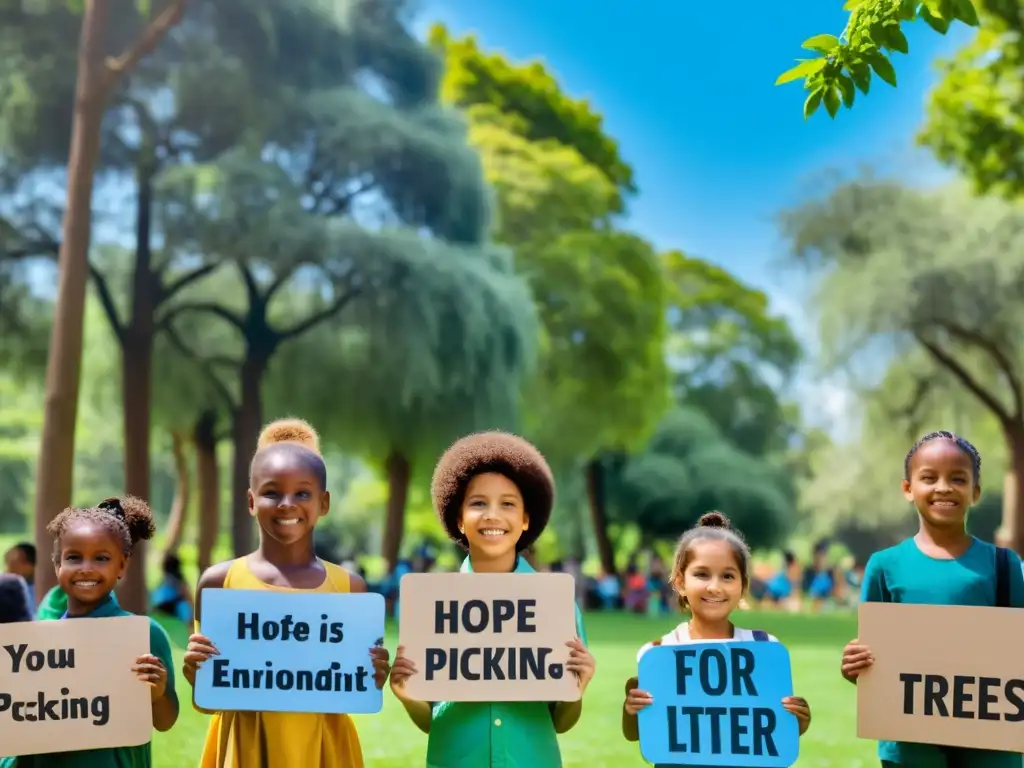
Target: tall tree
731 357
99 73
402 378
971 123
688 468
939 272
841 66
365 195
560 182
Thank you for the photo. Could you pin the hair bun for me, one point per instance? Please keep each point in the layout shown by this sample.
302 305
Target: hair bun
289 431
714 520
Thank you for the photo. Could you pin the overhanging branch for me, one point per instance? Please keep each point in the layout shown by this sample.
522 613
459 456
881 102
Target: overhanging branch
971 384
107 302
144 44
201 307
187 279
998 356
204 365
318 317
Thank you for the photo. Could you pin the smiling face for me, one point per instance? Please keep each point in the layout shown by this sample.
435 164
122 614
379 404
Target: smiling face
286 496
942 484
89 563
712 580
493 517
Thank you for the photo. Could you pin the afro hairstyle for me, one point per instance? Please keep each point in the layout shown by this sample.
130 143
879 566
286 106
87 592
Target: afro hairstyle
505 454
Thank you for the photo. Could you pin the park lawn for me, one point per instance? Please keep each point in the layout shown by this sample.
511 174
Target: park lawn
816 642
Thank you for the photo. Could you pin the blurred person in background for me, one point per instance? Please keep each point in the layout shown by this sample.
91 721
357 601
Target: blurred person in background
20 560
14 602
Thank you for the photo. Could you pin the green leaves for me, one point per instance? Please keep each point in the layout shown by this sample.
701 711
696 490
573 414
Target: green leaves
831 102
871 36
883 67
801 71
812 103
822 43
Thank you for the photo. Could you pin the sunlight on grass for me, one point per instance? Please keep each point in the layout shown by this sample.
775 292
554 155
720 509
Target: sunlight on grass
816 642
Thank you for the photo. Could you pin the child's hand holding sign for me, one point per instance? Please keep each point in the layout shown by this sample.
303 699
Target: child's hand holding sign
200 648
799 707
152 672
581 662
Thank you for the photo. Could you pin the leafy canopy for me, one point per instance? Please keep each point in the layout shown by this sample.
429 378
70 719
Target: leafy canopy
845 64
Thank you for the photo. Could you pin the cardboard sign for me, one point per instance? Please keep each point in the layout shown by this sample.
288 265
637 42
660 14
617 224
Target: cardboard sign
718 704
489 636
943 674
287 652
68 685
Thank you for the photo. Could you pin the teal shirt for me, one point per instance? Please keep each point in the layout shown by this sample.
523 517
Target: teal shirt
120 757
513 734
910 576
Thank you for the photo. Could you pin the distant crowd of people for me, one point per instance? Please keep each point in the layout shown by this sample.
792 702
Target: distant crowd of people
643 589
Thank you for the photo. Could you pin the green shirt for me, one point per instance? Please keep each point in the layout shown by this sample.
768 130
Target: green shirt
904 574
513 734
54 605
118 757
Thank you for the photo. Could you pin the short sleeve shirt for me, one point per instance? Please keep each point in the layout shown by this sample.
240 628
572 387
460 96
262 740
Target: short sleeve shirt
904 574
121 757
513 734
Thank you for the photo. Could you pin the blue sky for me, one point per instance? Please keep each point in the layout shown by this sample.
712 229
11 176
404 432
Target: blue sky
718 150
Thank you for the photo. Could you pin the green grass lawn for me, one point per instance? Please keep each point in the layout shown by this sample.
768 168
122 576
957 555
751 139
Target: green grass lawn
816 642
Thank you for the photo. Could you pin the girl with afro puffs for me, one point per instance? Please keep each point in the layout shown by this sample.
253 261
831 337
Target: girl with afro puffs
493 493
287 496
91 551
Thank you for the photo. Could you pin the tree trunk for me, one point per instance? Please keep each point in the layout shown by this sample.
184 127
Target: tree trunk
208 482
136 383
399 474
182 490
248 422
1015 439
55 468
96 76
599 514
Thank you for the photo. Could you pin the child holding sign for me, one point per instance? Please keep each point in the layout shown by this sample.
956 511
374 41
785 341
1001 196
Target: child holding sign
91 552
941 565
710 576
493 493
287 496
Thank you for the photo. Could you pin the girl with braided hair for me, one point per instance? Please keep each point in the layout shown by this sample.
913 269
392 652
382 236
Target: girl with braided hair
941 565
287 496
493 493
91 551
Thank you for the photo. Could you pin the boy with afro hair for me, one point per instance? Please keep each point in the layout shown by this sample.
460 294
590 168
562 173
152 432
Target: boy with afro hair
493 493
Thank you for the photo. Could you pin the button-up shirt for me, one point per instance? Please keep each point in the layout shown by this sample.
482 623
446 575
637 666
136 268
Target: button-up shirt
513 734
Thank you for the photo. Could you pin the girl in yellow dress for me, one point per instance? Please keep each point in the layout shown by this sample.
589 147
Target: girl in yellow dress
287 496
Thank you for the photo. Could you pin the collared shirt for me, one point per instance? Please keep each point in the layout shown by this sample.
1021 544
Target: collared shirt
513 734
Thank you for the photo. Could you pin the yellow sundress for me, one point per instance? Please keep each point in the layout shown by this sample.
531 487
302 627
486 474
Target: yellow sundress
282 739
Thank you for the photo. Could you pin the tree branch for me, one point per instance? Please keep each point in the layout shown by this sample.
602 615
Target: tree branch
318 317
145 44
187 279
218 385
999 357
207 307
965 378
107 301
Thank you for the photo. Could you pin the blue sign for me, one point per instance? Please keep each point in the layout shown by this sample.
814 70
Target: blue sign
718 704
288 652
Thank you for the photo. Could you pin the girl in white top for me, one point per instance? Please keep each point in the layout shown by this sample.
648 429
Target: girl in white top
710 576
